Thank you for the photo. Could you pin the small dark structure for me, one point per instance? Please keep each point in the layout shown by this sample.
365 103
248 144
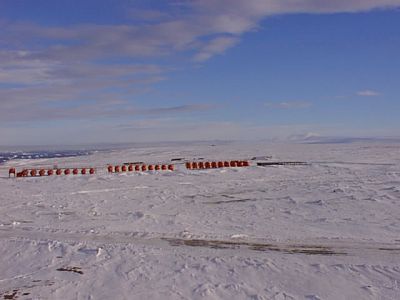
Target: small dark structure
282 163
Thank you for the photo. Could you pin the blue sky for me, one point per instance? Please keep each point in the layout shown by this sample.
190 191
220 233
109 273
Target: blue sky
74 72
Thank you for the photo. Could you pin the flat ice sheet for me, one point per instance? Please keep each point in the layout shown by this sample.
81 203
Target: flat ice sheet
328 230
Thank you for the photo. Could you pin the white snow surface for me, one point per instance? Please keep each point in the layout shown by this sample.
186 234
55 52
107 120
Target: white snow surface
328 230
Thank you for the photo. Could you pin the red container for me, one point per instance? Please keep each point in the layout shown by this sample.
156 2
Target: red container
137 168
130 168
233 163
207 165
92 171
50 172
163 167
157 167
201 165
58 171
171 167
33 172
195 165
226 164
151 168
144 168
42 172
83 171
117 169
240 164
75 171
188 165
246 163
67 171
11 171
214 165
123 168
110 169
220 164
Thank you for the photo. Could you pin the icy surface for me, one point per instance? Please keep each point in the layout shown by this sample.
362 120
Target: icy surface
6 156
328 230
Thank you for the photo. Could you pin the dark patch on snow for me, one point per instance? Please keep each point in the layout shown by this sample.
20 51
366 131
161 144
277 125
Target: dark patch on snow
71 269
288 249
231 201
11 295
15 293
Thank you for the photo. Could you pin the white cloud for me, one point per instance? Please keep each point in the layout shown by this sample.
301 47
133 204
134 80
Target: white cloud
288 105
215 46
206 27
368 93
257 8
212 20
109 106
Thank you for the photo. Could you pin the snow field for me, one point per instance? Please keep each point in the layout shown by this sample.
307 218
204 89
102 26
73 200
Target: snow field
328 230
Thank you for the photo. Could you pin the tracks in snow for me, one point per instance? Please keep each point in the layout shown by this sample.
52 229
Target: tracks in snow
318 247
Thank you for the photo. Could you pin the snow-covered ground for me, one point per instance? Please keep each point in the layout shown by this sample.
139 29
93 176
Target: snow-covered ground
328 230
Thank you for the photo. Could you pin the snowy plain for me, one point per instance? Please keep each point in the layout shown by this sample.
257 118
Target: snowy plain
327 230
